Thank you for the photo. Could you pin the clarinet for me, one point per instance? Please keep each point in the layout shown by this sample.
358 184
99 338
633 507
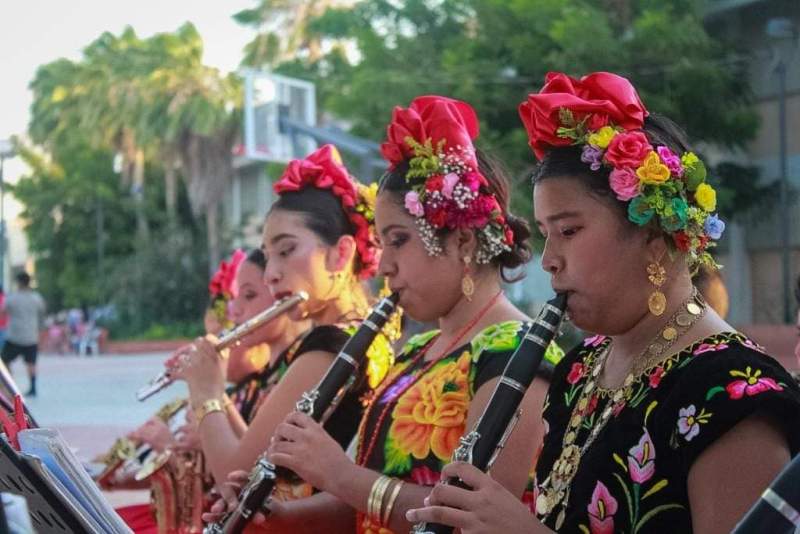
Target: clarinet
317 403
483 444
778 509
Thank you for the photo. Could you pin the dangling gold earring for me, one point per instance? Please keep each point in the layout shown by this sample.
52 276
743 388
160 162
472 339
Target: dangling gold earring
657 302
467 283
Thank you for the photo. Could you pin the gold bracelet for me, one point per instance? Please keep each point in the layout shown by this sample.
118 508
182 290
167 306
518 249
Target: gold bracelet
211 406
387 514
376 497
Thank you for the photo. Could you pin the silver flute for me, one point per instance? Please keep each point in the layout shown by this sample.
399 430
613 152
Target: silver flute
228 339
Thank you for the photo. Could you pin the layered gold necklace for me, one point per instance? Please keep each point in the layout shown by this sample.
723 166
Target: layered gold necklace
554 491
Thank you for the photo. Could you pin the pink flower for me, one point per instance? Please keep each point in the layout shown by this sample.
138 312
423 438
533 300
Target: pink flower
450 181
706 347
672 161
575 373
628 149
754 346
688 424
593 341
641 459
655 377
752 384
624 183
474 181
601 510
413 205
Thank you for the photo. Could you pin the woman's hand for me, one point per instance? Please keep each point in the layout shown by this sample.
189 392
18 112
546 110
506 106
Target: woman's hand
486 509
155 433
203 369
302 445
229 499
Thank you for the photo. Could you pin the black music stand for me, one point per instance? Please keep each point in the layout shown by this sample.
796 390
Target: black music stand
50 513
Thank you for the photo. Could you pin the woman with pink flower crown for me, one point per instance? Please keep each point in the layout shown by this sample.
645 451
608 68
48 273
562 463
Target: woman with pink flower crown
668 419
448 238
318 238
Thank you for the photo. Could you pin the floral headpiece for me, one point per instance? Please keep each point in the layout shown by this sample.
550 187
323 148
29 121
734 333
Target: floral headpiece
603 113
324 169
222 287
434 135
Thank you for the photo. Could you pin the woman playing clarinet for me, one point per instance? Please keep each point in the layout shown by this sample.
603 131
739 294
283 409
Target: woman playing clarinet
668 419
317 239
448 239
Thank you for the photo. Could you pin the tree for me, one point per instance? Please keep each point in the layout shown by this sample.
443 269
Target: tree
491 53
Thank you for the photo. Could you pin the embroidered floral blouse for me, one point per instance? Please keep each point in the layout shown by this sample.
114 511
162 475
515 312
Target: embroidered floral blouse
423 415
633 478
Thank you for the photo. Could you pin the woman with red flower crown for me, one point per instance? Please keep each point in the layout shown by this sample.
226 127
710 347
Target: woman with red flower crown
448 241
667 420
318 239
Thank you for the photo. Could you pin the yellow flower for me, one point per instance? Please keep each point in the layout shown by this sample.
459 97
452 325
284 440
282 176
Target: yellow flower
602 137
336 156
706 197
652 170
689 159
369 193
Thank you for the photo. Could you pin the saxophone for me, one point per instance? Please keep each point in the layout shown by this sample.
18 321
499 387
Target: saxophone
127 455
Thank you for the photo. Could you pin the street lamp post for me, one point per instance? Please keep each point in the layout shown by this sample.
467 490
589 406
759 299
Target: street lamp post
781 32
6 151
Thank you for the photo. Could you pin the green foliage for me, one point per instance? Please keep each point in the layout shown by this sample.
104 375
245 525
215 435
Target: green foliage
492 53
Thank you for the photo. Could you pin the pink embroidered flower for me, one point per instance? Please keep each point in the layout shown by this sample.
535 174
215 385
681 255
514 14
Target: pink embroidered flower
624 183
709 347
413 205
575 373
618 408
425 476
590 407
593 341
754 346
672 161
689 421
450 181
655 377
601 510
752 384
641 459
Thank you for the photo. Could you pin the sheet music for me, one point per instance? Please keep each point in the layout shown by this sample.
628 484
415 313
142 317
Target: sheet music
55 455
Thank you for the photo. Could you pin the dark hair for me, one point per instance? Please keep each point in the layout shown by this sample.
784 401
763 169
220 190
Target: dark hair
394 181
322 212
256 257
566 161
797 290
23 279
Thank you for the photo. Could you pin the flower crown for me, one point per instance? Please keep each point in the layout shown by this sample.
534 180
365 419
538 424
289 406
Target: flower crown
434 135
603 113
222 287
323 169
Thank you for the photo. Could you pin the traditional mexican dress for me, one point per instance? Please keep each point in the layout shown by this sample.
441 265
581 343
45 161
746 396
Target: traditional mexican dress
419 413
633 477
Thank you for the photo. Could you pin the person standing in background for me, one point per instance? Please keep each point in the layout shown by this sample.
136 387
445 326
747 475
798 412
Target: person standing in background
25 309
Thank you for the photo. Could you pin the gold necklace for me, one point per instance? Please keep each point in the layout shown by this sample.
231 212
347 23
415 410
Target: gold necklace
554 491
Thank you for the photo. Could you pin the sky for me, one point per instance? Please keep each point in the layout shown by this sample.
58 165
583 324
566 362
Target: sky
35 32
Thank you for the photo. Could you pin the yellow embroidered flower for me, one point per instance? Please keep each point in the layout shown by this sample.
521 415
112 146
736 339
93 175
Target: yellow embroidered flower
689 159
706 197
431 415
602 137
652 170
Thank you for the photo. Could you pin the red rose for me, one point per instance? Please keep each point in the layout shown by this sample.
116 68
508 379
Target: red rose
435 183
682 241
430 117
438 218
575 373
628 150
599 97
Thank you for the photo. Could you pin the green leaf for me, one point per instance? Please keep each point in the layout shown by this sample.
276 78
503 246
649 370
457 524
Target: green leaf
397 463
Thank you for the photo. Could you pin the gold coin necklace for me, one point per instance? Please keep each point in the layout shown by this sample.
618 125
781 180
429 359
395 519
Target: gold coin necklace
554 491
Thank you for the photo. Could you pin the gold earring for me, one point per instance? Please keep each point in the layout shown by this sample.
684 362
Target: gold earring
657 302
467 283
